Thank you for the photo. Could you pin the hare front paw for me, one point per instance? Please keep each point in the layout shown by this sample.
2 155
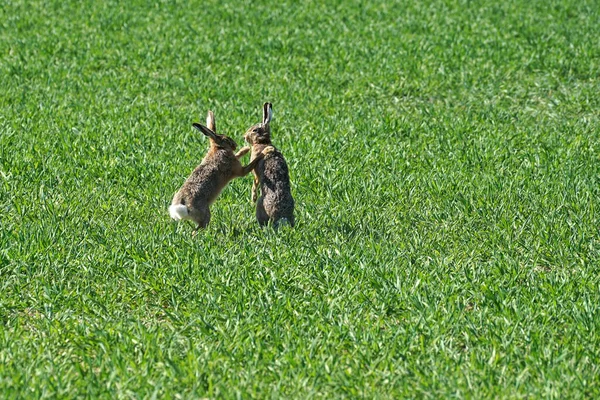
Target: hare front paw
242 152
268 150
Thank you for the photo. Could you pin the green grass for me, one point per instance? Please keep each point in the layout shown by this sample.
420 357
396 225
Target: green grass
445 161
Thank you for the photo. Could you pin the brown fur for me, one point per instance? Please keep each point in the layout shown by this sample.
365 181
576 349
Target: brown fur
271 175
217 169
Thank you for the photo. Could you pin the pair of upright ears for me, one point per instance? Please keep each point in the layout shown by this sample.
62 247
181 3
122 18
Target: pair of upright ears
211 126
267 113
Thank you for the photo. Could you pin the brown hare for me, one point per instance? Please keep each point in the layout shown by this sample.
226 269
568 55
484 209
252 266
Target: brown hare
219 166
275 204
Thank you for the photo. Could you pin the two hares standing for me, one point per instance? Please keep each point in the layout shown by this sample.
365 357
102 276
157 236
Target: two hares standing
217 169
276 204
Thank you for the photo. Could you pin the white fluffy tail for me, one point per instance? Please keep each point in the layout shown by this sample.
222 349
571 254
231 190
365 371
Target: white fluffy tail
178 211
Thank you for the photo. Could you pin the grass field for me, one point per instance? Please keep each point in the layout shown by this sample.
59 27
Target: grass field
445 161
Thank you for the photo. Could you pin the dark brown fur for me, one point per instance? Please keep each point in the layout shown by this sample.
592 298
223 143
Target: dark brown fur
271 174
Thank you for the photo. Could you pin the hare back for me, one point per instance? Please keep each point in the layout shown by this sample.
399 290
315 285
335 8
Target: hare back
206 182
276 192
273 173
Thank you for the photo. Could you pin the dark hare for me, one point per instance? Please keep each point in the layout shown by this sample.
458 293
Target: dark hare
275 204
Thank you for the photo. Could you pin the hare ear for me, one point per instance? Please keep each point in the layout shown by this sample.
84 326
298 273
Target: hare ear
210 121
205 130
267 113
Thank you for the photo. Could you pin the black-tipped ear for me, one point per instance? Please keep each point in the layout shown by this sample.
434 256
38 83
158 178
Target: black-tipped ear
205 130
267 113
210 121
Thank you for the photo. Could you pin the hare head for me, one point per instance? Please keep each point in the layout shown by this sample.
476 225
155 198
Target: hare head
216 141
261 133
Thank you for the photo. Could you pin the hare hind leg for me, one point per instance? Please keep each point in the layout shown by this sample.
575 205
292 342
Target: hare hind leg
255 188
200 217
261 213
